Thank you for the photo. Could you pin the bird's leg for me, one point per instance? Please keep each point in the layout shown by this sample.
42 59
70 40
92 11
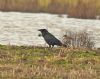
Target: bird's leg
52 46
49 46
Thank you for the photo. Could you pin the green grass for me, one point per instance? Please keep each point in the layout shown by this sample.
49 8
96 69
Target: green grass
22 62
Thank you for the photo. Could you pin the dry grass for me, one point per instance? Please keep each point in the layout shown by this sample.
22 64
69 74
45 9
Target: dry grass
84 9
74 8
46 63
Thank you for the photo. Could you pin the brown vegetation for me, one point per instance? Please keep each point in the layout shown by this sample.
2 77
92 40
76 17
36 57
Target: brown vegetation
78 40
74 8
84 9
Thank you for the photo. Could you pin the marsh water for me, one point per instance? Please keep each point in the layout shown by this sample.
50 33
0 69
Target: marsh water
22 28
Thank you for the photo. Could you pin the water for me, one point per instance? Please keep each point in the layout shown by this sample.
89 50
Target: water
22 28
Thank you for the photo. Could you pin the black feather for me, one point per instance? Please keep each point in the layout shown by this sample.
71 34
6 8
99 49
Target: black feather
50 39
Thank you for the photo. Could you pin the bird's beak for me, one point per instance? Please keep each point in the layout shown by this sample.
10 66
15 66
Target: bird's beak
39 30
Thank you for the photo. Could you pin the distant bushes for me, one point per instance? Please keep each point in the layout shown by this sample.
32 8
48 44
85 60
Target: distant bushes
74 8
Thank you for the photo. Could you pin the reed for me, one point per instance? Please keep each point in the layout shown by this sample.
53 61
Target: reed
74 8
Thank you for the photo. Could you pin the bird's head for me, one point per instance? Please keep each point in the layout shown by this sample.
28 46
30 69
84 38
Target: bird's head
43 30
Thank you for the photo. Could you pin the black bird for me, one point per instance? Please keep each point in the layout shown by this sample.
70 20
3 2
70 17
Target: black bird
50 39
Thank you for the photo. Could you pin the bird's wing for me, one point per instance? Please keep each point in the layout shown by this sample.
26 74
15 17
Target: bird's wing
52 39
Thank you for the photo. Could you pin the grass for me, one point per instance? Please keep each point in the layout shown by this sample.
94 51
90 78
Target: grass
22 62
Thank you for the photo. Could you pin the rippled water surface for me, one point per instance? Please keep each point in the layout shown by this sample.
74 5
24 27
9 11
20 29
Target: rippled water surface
22 28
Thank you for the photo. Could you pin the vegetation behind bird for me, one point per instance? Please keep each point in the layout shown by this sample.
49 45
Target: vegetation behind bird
74 8
78 40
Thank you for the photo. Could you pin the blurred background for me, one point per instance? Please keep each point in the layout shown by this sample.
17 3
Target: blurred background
74 8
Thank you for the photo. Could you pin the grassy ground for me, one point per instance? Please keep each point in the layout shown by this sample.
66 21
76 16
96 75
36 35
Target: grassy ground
46 63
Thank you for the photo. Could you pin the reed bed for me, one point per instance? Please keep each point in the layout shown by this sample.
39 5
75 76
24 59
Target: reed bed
74 8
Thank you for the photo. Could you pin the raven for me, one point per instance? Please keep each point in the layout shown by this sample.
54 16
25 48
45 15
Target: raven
50 39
